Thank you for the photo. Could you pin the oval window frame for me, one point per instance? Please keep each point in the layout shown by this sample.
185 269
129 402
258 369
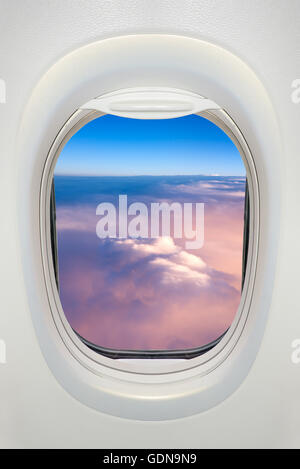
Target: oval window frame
156 370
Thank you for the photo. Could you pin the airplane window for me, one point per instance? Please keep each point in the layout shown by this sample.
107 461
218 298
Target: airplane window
149 235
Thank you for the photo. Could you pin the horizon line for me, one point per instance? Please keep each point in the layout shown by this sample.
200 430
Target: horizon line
147 175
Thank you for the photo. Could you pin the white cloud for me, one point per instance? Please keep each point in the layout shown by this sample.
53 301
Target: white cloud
174 264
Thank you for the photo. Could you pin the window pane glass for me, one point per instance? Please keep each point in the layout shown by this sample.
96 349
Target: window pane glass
149 222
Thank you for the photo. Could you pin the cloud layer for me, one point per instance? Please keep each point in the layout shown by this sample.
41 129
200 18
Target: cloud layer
151 294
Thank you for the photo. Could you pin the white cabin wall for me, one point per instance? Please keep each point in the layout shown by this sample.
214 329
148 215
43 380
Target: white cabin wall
35 411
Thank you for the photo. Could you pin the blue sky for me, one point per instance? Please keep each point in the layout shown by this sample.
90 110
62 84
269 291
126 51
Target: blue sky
117 146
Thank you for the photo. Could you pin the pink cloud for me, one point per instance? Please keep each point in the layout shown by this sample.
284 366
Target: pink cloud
153 294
